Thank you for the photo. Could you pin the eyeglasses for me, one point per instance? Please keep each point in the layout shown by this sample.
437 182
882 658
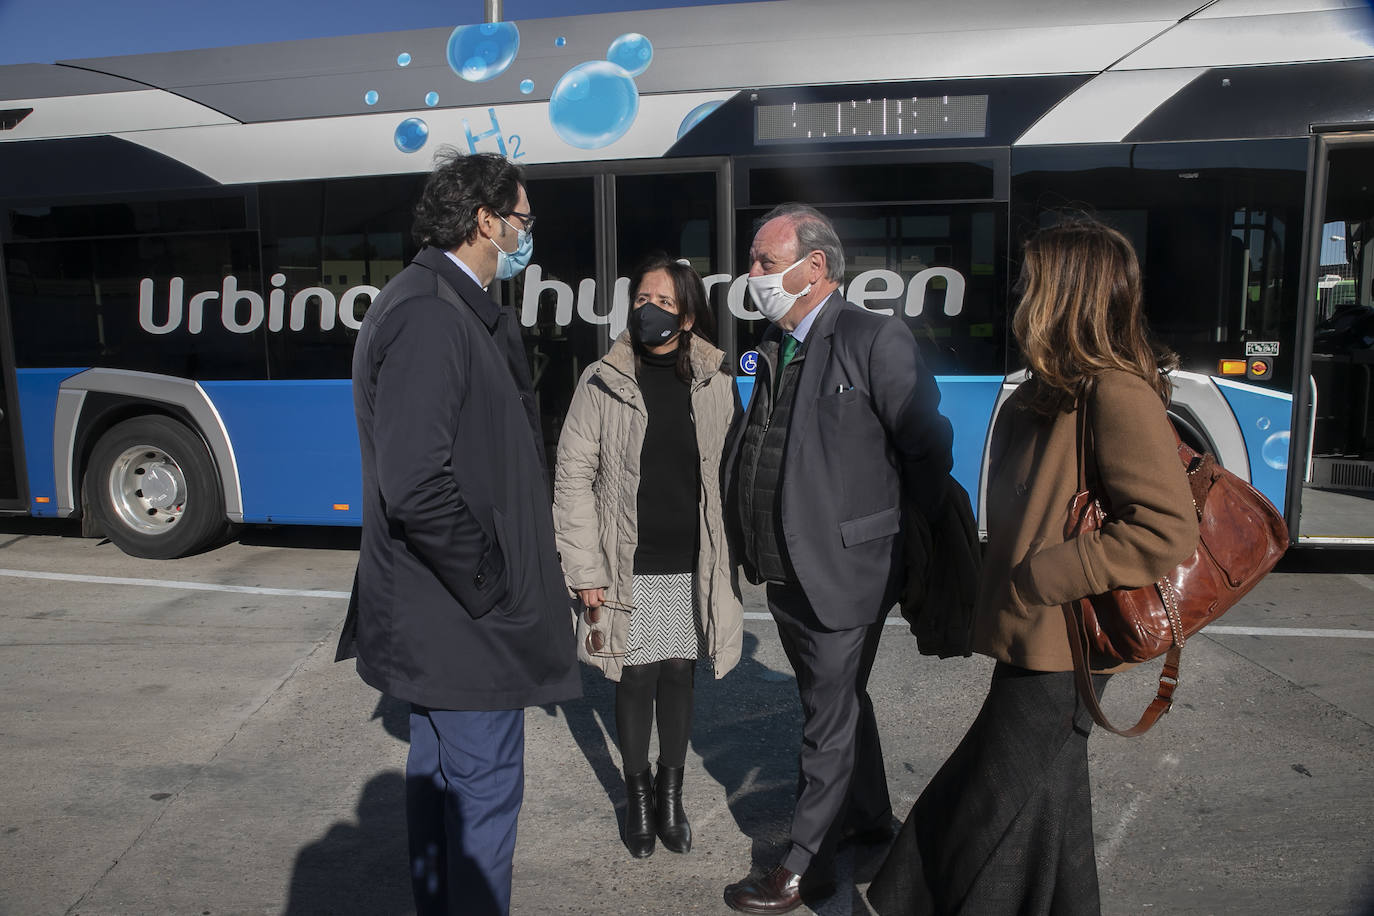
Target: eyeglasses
525 220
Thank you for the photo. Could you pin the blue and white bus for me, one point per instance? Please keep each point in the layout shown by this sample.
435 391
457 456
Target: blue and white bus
189 240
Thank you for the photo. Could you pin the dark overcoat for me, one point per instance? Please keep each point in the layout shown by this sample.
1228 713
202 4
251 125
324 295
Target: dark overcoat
866 445
459 601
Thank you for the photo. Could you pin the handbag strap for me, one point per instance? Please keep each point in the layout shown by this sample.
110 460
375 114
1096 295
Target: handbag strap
1078 631
1164 697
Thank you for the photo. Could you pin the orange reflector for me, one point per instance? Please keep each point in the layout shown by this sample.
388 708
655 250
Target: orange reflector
342 507
41 499
1231 367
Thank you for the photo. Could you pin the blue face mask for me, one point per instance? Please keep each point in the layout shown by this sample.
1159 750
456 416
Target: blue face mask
510 263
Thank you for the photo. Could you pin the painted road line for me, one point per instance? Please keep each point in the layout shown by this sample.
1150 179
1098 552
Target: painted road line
168 583
1223 630
1361 580
1214 630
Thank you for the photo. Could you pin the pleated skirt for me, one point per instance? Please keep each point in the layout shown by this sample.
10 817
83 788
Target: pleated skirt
1005 826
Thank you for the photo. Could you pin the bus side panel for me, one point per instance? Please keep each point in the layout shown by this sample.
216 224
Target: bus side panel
37 390
1264 416
296 443
967 401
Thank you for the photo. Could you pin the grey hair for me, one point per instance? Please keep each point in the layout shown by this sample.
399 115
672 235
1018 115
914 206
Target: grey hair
814 232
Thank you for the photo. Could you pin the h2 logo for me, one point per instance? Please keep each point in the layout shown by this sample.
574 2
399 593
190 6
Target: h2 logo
474 139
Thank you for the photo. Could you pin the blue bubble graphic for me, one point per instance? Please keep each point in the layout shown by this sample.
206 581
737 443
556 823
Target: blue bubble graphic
1275 451
481 52
560 41
697 115
370 97
632 51
527 86
1263 422
432 99
593 104
411 134
403 59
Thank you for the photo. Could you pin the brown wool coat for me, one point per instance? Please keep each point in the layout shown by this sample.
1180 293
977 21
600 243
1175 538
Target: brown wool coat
1029 570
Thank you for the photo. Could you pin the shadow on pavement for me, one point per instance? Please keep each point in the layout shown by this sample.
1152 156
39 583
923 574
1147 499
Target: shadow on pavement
358 867
748 733
590 720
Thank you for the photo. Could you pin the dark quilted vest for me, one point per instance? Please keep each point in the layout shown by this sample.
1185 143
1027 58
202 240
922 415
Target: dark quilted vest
760 481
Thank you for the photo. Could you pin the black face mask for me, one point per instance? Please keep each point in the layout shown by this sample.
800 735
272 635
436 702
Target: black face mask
652 326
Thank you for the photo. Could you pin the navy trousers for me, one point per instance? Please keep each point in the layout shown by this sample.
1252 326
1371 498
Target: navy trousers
465 780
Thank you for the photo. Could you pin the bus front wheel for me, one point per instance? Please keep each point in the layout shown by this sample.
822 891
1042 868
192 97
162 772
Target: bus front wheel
153 489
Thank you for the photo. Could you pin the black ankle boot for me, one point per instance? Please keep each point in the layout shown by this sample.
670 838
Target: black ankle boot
640 823
673 828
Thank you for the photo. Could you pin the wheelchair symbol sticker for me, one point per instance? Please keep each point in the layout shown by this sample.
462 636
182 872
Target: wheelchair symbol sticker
749 362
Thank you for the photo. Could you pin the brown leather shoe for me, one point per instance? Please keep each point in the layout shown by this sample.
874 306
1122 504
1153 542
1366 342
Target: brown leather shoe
777 891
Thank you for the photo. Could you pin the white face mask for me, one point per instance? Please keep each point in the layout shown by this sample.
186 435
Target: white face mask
769 296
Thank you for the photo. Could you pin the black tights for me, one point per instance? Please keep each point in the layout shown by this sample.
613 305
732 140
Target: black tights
670 682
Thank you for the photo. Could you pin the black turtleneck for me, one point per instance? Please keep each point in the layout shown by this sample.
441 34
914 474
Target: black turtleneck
668 473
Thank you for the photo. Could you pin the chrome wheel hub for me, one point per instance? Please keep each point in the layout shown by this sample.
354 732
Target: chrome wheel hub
147 489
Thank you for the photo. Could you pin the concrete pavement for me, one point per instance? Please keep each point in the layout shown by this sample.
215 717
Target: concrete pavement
169 750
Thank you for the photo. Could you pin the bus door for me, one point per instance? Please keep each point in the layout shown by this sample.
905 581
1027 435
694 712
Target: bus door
12 497
596 221
925 235
1337 418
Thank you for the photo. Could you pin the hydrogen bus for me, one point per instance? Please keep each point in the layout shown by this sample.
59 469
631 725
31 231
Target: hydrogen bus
190 240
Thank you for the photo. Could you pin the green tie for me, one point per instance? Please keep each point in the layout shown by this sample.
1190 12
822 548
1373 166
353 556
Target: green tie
789 350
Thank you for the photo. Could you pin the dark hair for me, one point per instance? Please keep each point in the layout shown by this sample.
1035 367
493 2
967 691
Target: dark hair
459 186
814 232
690 294
1081 313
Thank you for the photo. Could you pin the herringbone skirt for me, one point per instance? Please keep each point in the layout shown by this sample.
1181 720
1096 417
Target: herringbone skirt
664 621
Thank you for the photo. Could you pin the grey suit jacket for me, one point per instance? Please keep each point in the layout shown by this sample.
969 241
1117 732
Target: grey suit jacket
866 446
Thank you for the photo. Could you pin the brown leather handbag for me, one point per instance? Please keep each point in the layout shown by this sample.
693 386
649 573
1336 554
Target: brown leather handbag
1240 538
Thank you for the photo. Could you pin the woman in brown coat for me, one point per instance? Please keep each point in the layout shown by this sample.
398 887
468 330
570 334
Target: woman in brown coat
1005 826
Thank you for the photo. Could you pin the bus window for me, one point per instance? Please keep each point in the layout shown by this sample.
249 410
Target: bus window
1216 227
328 247
150 302
673 213
556 296
939 267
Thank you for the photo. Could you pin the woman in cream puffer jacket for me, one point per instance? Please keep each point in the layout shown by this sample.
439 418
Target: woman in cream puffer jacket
641 534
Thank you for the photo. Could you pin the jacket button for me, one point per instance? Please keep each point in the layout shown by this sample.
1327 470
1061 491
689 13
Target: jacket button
479 580
1022 489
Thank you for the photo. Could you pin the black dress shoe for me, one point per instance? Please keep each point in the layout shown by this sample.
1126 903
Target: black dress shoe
777 891
673 827
640 823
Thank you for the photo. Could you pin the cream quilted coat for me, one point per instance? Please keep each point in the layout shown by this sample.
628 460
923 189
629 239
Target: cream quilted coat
596 489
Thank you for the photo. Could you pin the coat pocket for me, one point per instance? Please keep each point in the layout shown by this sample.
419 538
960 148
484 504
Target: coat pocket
505 597
865 528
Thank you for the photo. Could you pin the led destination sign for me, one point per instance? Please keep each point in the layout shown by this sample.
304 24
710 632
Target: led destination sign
936 117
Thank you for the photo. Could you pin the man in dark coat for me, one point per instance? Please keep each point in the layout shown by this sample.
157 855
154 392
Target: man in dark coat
459 607
841 442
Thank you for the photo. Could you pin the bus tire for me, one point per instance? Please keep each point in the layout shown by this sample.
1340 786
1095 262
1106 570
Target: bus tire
153 489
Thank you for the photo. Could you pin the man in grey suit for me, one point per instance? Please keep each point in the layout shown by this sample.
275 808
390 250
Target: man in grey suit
841 441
